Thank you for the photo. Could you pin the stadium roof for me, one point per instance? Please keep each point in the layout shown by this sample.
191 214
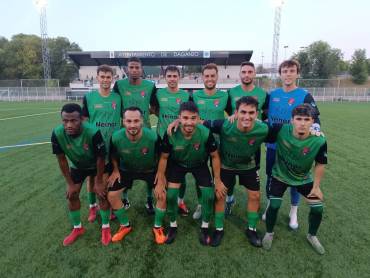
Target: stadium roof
160 58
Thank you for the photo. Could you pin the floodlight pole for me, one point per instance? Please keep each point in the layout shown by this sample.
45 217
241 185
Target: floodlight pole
275 39
44 39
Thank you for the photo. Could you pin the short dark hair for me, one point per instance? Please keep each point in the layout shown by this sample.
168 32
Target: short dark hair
247 100
71 107
172 68
104 68
132 108
188 106
304 110
209 67
289 64
247 63
134 59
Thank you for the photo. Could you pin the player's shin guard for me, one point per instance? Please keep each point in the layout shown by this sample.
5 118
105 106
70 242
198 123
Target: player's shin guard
75 217
314 218
122 216
91 196
272 211
219 220
105 215
158 218
172 195
207 194
252 218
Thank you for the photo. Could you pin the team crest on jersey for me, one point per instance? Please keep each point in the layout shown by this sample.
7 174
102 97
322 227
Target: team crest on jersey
86 146
196 146
97 106
128 93
164 99
114 105
144 150
178 100
251 141
201 102
142 93
216 102
306 151
291 101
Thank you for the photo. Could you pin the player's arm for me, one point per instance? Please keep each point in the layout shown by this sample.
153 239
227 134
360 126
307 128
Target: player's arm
211 146
114 158
85 110
320 161
99 151
273 133
115 87
154 104
215 126
63 165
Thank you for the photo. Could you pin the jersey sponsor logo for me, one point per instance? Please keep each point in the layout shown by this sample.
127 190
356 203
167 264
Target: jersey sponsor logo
216 102
85 146
97 106
178 100
276 99
200 102
142 93
251 141
114 105
179 148
306 150
196 146
145 151
291 101
128 93
164 99
100 124
125 151
231 139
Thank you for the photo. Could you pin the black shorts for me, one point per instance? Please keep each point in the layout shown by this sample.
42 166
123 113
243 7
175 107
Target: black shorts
127 179
277 188
176 174
79 175
248 178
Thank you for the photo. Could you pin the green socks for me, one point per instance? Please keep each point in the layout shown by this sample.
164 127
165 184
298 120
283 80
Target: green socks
158 218
172 195
75 217
105 215
91 196
122 216
207 199
272 212
219 220
314 218
252 218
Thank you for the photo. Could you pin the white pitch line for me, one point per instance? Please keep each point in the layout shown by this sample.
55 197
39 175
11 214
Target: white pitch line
26 116
23 145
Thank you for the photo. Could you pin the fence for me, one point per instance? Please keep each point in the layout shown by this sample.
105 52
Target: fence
33 93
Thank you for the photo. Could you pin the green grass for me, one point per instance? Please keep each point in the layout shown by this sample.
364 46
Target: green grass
33 215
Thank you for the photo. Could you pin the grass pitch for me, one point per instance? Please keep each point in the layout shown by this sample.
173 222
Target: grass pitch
33 215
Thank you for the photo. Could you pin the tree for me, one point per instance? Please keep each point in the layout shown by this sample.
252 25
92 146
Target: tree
61 67
319 60
358 68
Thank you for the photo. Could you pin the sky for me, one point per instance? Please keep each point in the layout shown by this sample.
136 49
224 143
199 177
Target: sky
131 25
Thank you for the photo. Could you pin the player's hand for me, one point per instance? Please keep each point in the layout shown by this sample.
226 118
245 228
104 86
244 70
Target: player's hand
160 180
100 189
160 192
72 189
220 189
316 193
172 127
232 118
113 177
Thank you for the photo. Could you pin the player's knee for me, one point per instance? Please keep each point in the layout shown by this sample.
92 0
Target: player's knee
275 203
254 196
172 195
73 197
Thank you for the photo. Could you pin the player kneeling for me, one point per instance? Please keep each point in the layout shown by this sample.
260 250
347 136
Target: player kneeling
296 152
